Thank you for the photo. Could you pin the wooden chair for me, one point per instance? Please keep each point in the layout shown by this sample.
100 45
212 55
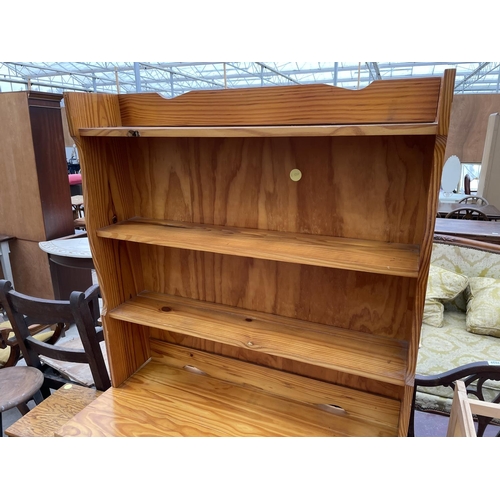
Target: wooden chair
80 310
467 213
474 200
10 353
461 422
473 377
467 184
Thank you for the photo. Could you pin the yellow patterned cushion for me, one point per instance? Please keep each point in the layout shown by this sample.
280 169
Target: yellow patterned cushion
483 306
433 313
5 353
442 286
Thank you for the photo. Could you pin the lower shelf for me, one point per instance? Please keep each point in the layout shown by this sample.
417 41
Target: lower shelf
165 400
357 353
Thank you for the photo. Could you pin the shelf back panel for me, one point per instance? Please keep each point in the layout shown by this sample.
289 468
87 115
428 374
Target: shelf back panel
369 187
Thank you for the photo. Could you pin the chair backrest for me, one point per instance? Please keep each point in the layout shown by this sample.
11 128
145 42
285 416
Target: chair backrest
467 213
24 310
474 200
467 184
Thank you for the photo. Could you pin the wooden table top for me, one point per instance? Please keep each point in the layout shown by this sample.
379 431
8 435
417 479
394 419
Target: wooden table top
474 229
18 384
69 252
489 210
47 417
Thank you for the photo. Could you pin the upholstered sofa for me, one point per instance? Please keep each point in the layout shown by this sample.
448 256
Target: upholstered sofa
476 307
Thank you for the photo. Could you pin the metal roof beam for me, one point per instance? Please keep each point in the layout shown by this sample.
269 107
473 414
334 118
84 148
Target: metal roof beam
278 72
190 77
480 72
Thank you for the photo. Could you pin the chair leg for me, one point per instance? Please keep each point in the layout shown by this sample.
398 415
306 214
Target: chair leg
44 391
23 408
411 425
1 425
38 397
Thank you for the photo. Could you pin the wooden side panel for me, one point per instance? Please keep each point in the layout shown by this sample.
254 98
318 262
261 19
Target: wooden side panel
396 101
68 140
20 203
31 269
51 170
445 101
353 187
91 110
102 164
468 124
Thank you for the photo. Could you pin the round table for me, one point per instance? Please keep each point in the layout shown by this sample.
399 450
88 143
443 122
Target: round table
70 252
18 384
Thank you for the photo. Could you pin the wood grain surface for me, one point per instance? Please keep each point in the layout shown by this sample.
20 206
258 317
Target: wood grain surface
47 417
383 411
323 251
362 354
269 131
181 403
472 229
394 101
351 187
360 301
226 159
18 171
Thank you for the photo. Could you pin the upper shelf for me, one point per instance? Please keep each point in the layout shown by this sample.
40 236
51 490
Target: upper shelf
265 131
316 250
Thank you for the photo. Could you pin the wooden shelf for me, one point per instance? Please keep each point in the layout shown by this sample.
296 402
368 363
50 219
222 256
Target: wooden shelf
265 131
182 403
374 357
315 250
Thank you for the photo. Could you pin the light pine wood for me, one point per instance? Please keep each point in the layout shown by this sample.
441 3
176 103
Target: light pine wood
182 403
352 352
351 300
393 101
445 102
461 423
245 182
357 404
322 251
131 350
47 417
335 377
222 164
284 131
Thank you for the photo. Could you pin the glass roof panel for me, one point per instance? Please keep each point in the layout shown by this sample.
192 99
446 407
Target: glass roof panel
175 78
